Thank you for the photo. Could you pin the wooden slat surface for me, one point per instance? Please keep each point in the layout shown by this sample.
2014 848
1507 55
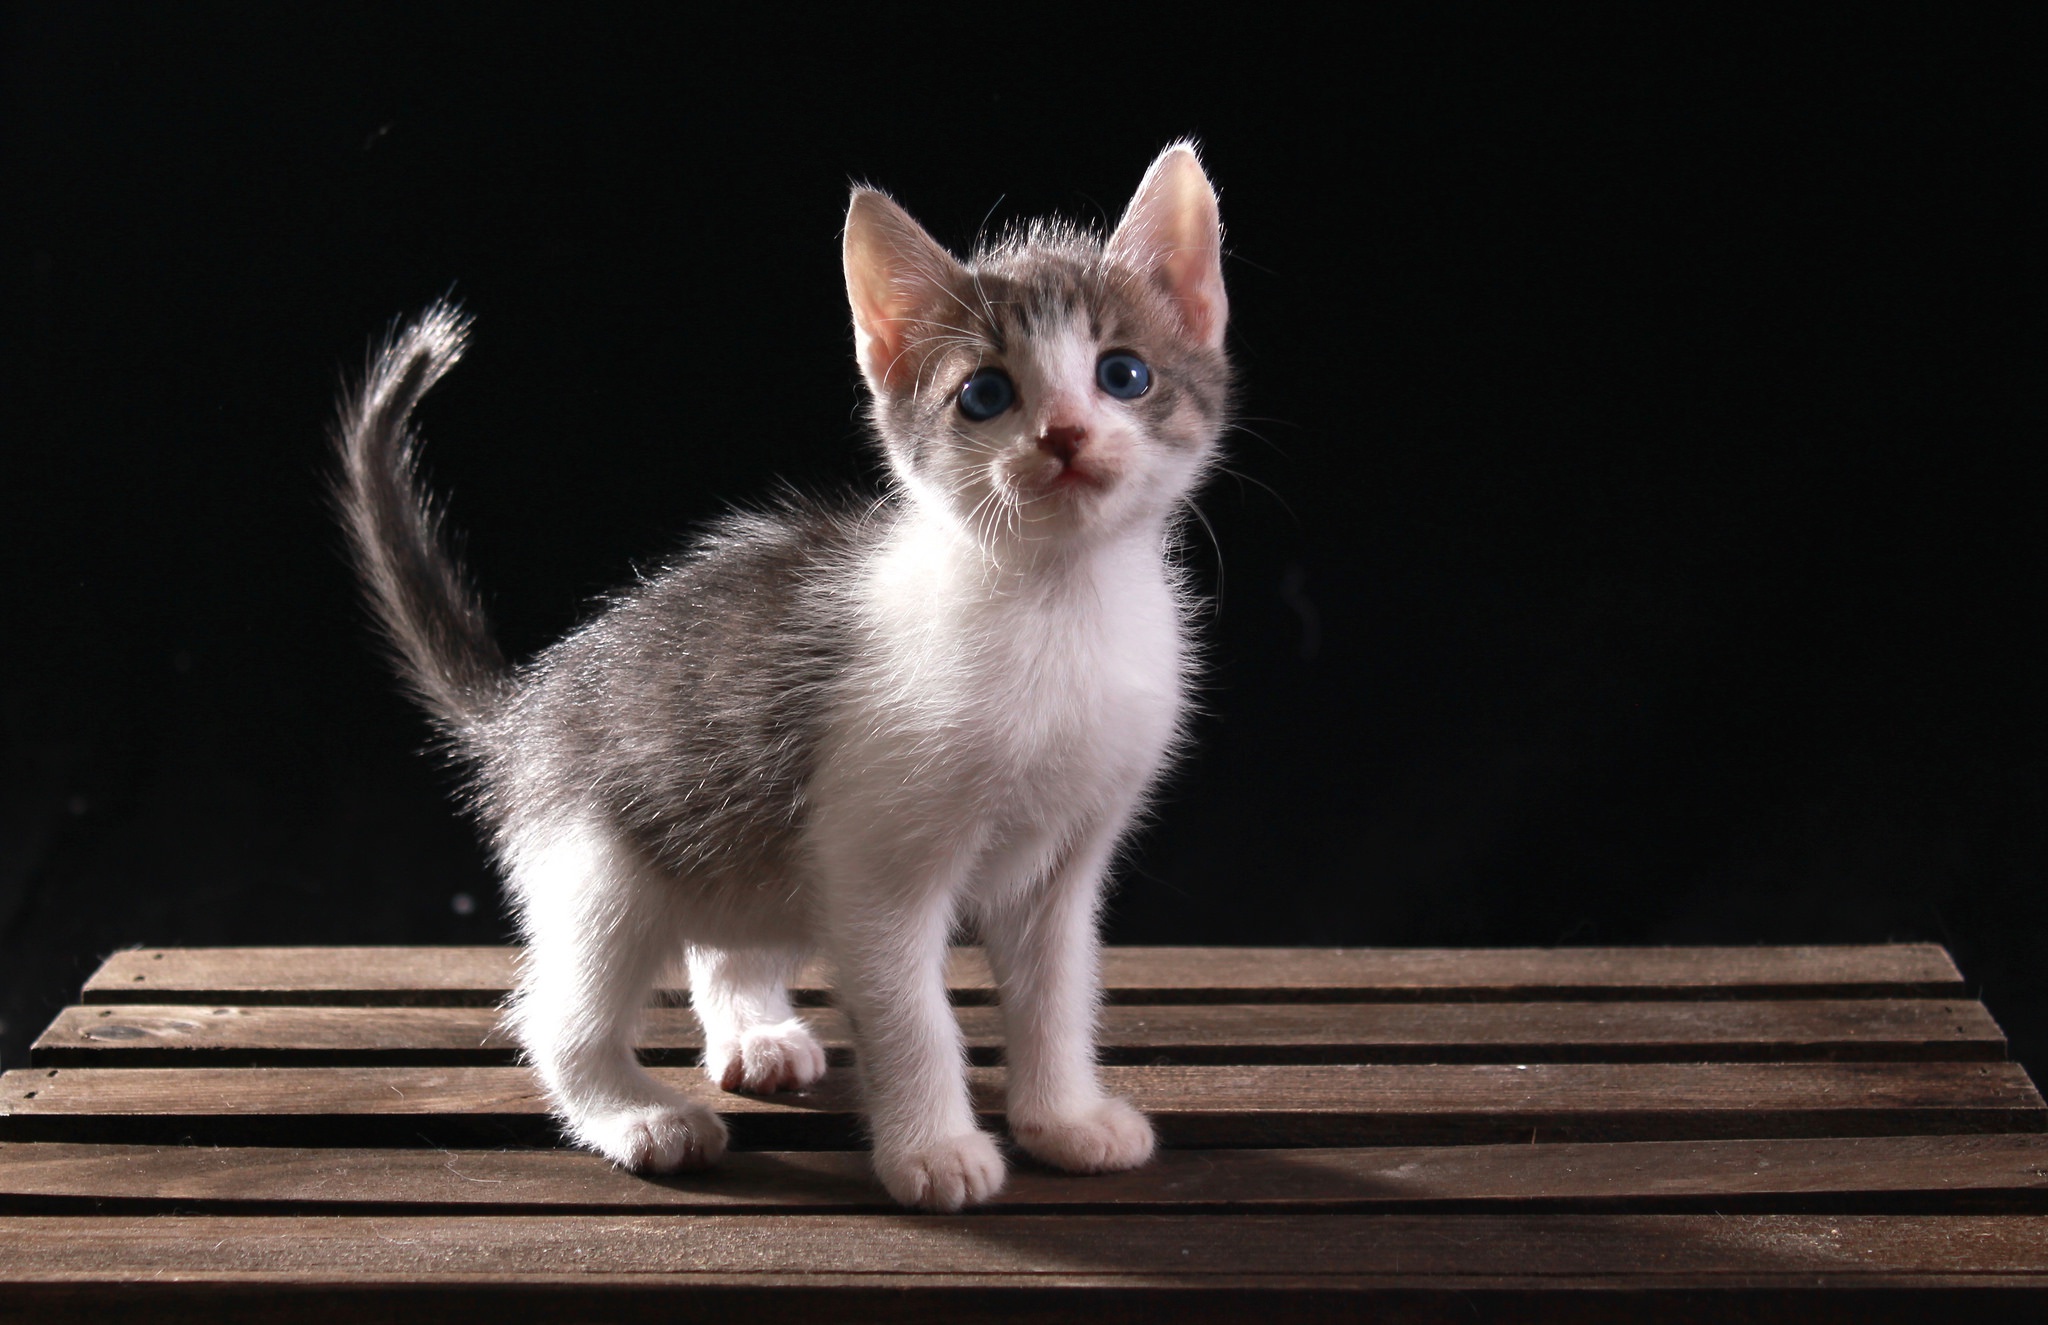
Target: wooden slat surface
1301 1105
1688 1030
2002 1172
1551 1250
1803 1133
480 976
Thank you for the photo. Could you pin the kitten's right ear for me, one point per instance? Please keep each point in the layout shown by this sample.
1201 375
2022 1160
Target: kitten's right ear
896 276
1171 230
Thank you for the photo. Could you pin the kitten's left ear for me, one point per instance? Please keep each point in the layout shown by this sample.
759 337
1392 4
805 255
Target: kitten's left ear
1172 230
896 277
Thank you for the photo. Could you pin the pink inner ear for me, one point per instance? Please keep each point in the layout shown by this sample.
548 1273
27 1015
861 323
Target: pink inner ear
882 328
1172 228
1196 283
896 274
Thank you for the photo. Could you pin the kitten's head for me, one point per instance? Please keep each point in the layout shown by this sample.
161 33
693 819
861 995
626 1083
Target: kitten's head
1059 387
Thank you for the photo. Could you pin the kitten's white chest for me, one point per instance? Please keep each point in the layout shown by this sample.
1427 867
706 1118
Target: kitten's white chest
1034 700
1085 684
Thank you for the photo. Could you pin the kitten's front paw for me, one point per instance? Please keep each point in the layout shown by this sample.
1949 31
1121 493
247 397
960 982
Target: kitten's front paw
1105 1139
959 1171
784 1056
655 1138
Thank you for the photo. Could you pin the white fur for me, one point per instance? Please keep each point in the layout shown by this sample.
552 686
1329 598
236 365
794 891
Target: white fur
600 926
1003 736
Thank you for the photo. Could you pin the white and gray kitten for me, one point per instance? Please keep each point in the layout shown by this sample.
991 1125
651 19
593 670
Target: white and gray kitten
854 728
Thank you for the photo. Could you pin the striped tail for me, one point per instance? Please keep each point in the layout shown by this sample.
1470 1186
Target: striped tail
422 599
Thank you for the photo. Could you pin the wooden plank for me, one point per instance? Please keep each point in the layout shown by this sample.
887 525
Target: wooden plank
1903 1174
480 976
1332 1250
1256 1105
146 1035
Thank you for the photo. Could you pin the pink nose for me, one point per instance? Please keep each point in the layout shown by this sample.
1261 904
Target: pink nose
1064 441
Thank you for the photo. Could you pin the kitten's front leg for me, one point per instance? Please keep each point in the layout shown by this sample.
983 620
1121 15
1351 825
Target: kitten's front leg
890 950
1045 950
753 1039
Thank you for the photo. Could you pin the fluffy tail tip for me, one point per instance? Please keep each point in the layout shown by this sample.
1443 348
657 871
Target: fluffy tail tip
403 367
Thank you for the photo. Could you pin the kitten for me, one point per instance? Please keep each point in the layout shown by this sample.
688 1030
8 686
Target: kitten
852 728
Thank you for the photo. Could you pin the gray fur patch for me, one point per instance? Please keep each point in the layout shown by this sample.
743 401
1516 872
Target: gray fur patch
688 710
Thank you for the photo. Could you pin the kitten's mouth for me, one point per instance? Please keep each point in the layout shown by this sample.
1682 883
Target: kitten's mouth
1071 476
1060 487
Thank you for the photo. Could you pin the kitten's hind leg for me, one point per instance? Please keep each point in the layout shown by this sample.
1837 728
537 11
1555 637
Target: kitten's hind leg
600 925
753 1039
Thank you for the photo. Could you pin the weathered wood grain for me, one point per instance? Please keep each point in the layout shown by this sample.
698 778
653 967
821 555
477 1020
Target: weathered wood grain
141 1035
1255 1105
1902 1174
1363 1251
480 976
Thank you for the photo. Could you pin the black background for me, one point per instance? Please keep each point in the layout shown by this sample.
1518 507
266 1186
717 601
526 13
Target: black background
1634 537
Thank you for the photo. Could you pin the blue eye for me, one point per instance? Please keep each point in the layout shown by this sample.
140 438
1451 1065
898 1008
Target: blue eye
987 394
1124 376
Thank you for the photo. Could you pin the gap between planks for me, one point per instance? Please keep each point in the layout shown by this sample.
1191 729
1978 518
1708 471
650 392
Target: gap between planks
1764 1030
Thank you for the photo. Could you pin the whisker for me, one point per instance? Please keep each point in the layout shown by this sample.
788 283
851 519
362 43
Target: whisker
1237 425
1215 543
1265 487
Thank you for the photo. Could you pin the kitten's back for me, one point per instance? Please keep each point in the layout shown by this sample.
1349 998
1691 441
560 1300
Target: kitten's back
688 710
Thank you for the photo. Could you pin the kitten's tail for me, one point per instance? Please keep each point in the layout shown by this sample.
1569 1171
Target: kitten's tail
416 586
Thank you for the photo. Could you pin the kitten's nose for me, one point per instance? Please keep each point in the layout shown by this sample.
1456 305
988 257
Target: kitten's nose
1063 440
